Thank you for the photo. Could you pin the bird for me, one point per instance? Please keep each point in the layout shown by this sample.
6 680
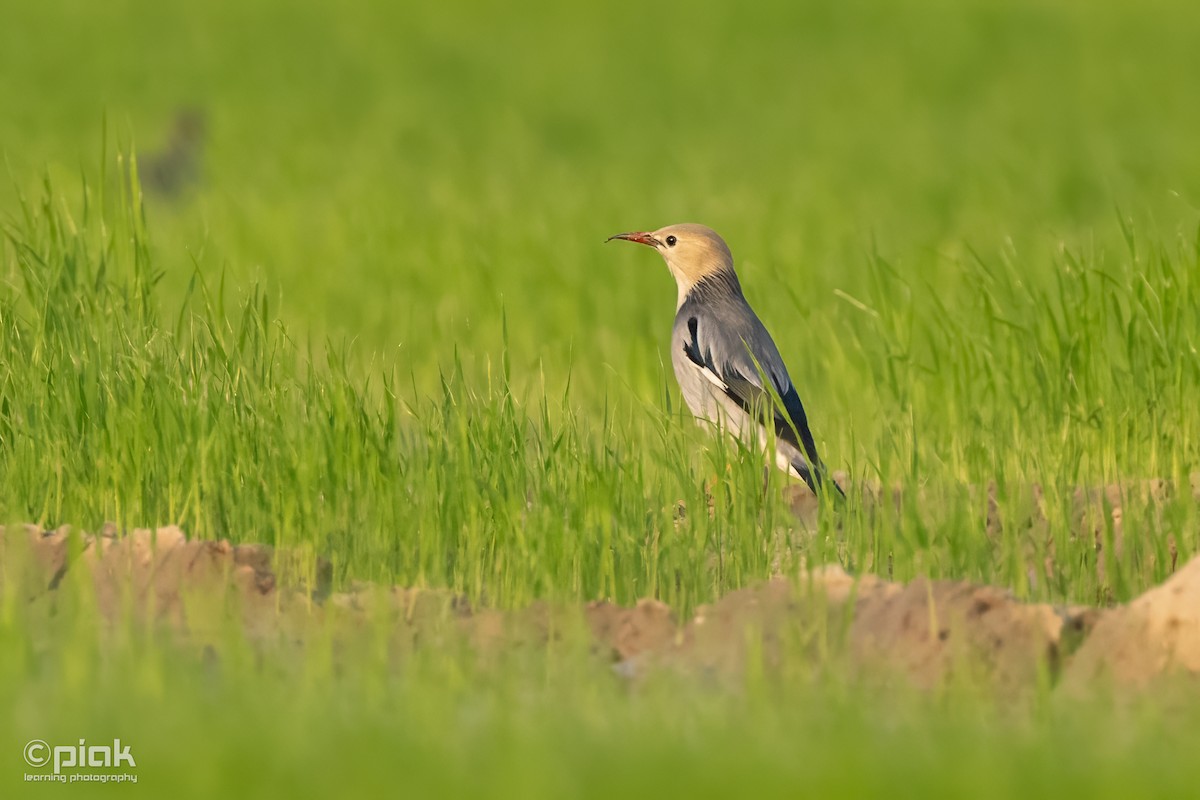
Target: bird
729 369
175 168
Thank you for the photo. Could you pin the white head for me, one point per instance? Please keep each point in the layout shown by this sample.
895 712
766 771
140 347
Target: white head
692 252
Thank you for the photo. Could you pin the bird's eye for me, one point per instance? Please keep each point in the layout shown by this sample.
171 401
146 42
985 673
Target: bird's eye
671 241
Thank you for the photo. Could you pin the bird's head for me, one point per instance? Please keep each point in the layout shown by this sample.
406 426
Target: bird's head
692 252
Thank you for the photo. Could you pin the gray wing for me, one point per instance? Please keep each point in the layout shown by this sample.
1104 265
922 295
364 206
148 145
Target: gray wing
735 358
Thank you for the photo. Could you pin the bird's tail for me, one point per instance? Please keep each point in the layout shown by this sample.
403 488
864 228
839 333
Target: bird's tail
818 479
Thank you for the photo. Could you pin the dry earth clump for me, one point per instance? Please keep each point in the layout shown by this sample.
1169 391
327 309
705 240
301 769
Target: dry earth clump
1157 633
925 632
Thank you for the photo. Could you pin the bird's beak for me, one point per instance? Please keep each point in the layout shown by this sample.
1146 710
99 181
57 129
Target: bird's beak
640 237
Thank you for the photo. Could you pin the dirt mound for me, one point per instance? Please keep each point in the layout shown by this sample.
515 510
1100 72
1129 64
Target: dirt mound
931 630
1159 633
925 632
148 571
629 632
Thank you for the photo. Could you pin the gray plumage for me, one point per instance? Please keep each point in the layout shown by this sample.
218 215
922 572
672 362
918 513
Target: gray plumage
730 372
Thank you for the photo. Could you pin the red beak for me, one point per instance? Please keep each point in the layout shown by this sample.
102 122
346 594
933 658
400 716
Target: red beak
640 237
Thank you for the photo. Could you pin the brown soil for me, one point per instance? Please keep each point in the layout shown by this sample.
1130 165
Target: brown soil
1155 634
926 632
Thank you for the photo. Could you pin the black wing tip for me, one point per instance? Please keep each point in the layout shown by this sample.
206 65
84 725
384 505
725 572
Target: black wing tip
820 482
841 493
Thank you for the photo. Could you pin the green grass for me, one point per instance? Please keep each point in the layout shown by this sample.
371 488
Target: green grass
383 328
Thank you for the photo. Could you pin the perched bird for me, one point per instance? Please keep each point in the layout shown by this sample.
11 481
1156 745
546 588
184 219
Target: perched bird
722 353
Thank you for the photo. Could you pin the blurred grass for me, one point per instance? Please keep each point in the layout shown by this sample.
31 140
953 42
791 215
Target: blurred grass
555 723
382 325
368 157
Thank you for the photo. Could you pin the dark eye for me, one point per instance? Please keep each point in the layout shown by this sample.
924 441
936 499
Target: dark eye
671 241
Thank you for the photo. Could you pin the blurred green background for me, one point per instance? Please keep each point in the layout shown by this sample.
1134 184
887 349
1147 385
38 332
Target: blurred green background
399 173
